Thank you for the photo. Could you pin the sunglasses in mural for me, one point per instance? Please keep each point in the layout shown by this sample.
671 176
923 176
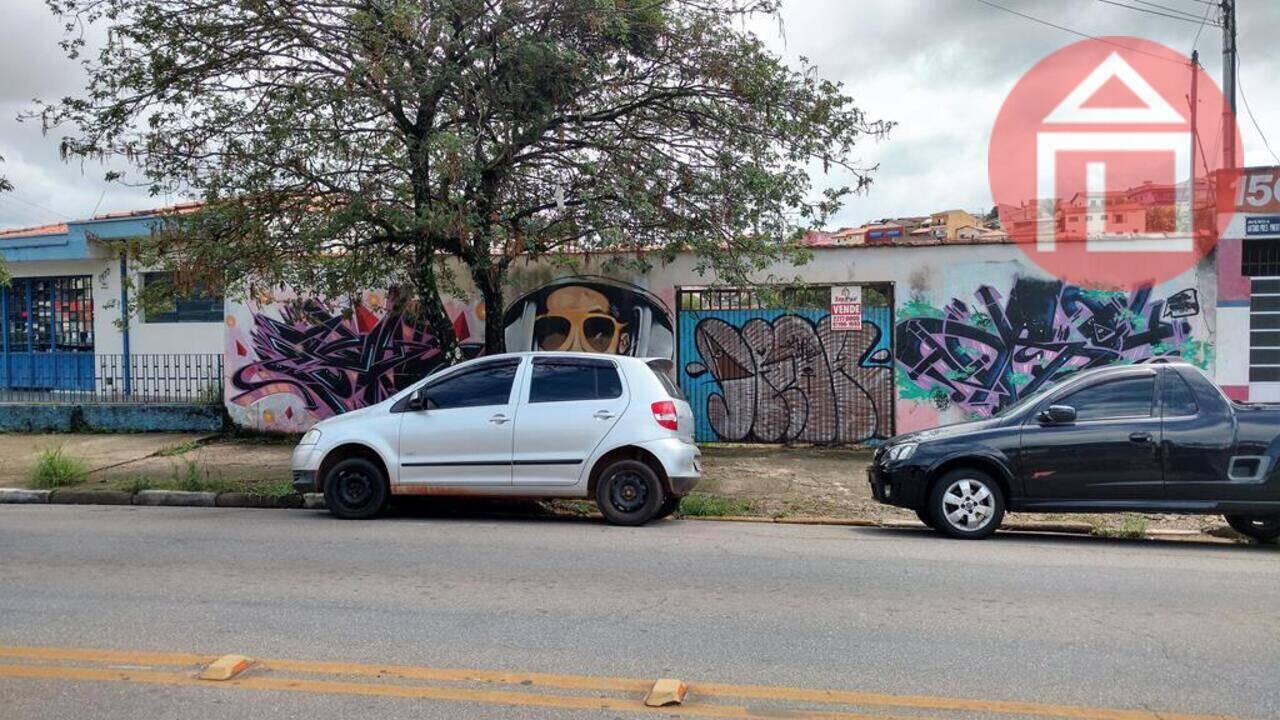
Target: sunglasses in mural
591 314
577 331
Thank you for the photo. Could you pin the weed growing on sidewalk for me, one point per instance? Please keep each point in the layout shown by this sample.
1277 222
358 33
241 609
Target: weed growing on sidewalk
708 505
1131 528
190 476
181 448
55 469
137 484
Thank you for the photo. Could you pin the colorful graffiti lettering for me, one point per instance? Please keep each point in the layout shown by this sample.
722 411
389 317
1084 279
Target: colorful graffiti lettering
984 358
296 360
590 314
788 377
333 361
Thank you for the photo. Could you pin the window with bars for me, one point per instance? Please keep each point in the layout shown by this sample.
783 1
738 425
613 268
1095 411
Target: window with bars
166 303
1261 258
1264 330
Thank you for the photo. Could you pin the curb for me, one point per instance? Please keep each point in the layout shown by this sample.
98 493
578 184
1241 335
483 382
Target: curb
72 496
20 496
174 498
233 499
315 501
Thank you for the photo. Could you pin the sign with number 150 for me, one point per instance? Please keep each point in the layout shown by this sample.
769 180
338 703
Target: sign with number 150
1258 190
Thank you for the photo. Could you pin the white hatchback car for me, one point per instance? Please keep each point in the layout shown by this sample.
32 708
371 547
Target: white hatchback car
546 425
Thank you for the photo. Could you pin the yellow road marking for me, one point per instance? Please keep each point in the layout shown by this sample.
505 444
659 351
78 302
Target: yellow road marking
568 682
486 697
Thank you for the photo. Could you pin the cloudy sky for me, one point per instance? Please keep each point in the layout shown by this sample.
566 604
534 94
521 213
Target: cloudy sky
939 68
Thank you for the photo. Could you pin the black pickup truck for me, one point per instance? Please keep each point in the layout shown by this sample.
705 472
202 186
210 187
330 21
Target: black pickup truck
1147 438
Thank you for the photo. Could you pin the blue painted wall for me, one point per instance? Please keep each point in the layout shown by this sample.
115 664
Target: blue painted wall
111 418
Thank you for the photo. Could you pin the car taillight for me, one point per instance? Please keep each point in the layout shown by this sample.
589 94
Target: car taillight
664 412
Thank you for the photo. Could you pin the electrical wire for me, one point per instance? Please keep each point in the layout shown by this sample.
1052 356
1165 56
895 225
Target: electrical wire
1203 21
1149 11
1249 110
1063 28
1191 15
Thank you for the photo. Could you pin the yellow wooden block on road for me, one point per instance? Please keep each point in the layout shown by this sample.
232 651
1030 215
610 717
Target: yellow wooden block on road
666 691
226 667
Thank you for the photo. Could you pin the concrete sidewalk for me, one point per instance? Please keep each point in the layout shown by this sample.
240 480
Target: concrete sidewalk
757 480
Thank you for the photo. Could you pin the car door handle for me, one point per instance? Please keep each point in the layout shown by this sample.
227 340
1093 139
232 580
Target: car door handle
604 415
499 419
1140 437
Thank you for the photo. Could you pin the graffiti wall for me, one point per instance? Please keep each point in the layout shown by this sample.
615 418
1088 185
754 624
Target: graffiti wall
292 361
971 356
780 376
972 329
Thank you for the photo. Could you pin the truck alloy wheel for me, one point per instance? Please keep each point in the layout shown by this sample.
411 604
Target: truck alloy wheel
966 504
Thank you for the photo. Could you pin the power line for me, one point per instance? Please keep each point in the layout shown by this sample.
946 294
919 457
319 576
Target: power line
15 196
1150 12
1249 110
1208 7
1063 28
1166 8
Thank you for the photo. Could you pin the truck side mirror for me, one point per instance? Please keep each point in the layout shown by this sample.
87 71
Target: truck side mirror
1057 415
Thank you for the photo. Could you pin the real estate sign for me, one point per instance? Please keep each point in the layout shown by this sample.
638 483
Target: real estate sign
846 307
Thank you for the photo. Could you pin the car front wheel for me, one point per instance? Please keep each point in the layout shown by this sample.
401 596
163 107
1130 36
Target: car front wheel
355 489
629 493
1263 528
966 504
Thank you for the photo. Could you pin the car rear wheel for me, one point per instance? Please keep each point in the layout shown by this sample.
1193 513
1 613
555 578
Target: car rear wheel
1263 528
355 489
966 504
629 493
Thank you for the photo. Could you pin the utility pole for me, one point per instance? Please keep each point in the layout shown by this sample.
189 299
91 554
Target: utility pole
1195 108
1228 8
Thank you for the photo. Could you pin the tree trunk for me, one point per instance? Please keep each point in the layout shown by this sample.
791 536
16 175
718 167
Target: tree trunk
489 281
432 307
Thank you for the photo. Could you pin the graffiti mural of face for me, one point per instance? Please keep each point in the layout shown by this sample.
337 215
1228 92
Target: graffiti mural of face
578 320
587 313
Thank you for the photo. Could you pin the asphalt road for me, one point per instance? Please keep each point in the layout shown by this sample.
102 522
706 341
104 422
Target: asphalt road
949 625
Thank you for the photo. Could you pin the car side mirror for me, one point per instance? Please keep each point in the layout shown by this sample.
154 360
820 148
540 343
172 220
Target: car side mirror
1057 415
418 401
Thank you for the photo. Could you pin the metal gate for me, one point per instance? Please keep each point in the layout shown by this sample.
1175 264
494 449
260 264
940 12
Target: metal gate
764 365
47 338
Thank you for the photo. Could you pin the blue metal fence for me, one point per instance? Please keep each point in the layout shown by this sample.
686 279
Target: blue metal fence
88 378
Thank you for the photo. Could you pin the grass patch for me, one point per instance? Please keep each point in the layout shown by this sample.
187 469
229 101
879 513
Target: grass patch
181 448
1131 528
55 469
137 484
707 505
193 477
273 489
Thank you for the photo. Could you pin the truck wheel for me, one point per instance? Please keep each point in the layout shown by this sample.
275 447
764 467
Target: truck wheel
966 504
629 493
355 489
1262 528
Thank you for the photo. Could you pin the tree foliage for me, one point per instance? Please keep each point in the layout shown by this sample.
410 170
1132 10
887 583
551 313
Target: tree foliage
346 143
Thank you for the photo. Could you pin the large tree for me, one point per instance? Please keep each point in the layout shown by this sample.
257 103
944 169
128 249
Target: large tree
348 143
